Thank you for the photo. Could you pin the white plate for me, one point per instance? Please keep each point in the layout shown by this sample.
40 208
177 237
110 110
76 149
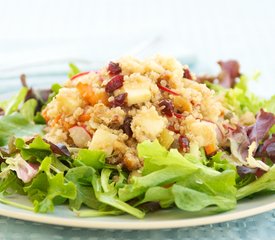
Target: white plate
159 220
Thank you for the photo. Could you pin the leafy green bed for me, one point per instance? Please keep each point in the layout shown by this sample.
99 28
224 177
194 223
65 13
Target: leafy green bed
53 174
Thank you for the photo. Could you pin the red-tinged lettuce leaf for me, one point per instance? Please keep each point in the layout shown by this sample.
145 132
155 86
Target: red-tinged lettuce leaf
267 149
239 143
58 148
230 71
243 137
243 170
265 183
44 144
260 129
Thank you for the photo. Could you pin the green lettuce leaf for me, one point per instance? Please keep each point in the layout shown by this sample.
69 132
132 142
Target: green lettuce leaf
220 163
170 168
28 109
91 158
17 125
202 189
37 189
57 189
73 70
161 195
11 184
111 199
10 106
241 100
265 183
82 178
37 148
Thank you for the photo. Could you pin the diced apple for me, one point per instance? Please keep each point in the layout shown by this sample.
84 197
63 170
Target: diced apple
138 95
166 138
68 99
103 140
147 124
80 136
204 133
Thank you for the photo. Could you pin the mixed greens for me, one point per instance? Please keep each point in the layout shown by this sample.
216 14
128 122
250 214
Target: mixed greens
52 174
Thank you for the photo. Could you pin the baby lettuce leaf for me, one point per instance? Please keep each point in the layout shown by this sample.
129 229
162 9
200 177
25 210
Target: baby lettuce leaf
111 199
170 168
37 148
82 178
17 125
161 195
73 70
157 157
56 188
202 189
240 99
28 109
10 106
37 189
11 184
265 183
162 177
91 158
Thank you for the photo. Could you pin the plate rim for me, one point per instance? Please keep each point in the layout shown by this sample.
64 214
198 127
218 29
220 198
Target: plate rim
135 225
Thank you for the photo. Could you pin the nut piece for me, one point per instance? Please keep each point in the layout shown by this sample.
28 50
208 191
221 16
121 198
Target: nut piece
131 161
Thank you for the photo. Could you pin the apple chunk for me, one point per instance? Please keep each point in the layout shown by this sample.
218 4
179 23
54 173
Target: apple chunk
80 136
147 124
103 140
138 95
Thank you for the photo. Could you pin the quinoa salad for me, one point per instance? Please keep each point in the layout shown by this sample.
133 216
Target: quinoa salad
137 136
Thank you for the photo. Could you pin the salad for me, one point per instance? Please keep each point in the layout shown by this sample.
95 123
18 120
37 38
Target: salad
135 137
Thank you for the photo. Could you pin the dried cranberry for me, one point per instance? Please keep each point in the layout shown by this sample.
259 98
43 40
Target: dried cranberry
178 115
116 82
167 107
126 127
187 74
172 128
114 68
119 100
183 143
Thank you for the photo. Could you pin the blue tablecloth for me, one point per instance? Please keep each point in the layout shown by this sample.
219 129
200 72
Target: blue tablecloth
257 227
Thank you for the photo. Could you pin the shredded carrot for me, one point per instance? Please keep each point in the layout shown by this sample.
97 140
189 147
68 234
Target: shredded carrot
210 149
84 117
45 116
66 125
55 120
90 96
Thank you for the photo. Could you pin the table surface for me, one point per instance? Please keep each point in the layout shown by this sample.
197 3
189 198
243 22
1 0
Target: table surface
92 32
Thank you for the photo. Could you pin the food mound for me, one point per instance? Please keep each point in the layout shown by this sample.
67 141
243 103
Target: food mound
130 101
